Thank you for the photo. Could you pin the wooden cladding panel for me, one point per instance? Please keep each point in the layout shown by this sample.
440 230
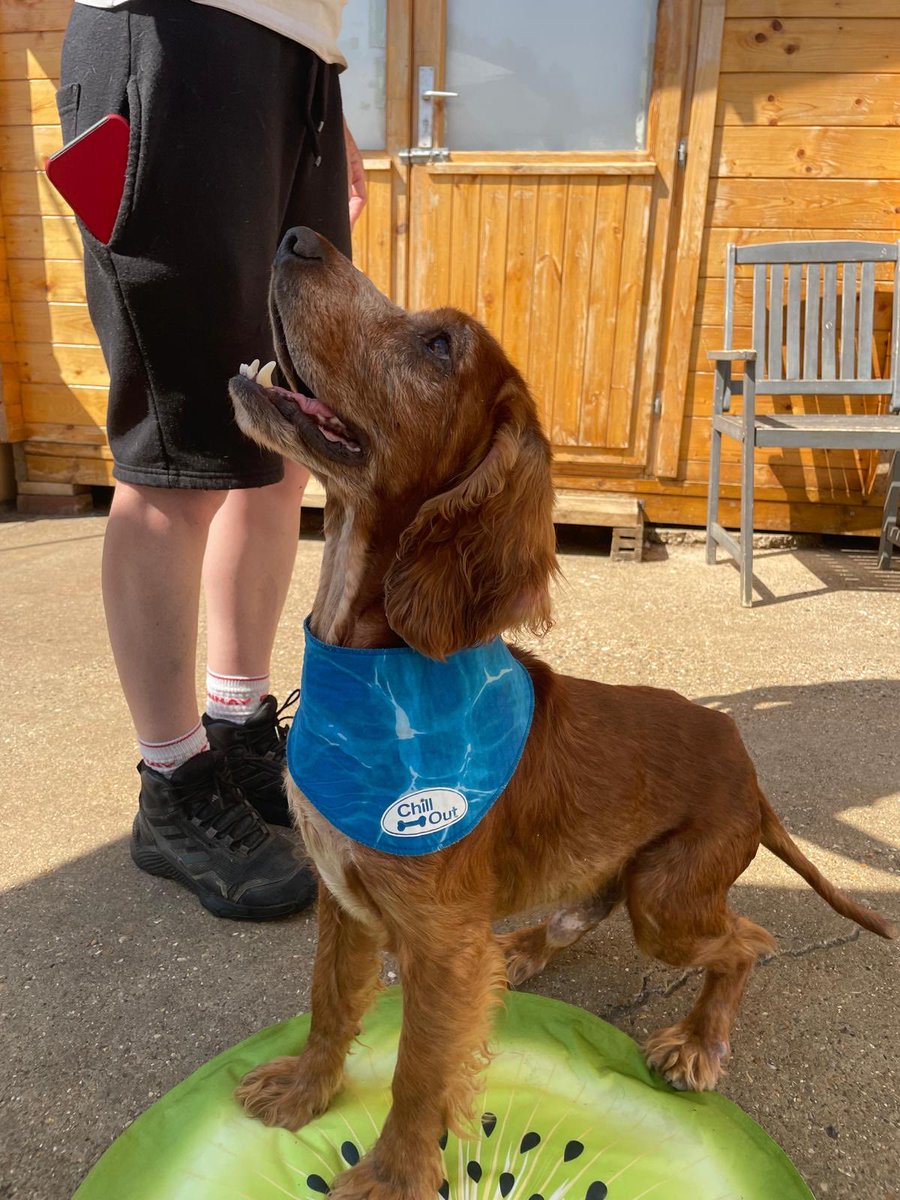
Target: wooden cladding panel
68 466
26 147
821 44
52 403
37 279
18 16
554 266
74 365
26 102
66 324
30 55
808 99
823 204
809 153
812 8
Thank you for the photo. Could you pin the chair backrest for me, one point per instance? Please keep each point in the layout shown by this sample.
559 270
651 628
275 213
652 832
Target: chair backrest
802 344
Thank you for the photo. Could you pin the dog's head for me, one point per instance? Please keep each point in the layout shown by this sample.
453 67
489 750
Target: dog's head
419 413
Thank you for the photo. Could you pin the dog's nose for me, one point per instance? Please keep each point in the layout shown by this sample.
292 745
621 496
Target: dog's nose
301 243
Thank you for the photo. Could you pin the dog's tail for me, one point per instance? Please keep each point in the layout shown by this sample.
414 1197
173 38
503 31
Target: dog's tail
777 839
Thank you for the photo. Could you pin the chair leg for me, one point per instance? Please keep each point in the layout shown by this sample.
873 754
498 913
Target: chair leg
889 516
747 522
712 504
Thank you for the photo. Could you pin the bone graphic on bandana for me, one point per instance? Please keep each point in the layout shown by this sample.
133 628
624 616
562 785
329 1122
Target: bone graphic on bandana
420 821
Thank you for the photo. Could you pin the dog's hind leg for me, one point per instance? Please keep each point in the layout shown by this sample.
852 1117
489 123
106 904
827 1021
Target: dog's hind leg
677 903
290 1091
528 951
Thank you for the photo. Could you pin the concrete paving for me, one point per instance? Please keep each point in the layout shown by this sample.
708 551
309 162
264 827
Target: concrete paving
115 986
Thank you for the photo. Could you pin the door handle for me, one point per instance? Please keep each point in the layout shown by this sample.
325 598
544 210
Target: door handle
428 93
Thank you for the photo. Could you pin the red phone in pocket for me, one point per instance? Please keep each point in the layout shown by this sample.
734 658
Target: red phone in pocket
89 173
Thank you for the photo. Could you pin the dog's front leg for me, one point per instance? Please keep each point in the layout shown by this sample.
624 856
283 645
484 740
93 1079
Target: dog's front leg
291 1091
453 977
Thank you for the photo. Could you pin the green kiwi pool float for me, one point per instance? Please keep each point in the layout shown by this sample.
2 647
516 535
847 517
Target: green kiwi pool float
569 1111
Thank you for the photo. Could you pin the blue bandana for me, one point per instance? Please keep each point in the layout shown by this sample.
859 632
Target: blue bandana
402 753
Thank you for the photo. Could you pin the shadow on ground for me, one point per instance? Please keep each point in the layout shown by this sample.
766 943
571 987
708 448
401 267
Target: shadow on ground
822 749
843 566
117 985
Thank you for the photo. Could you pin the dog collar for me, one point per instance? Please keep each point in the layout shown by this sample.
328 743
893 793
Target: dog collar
403 753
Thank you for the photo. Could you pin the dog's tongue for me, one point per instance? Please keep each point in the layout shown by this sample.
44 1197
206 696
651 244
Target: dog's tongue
321 413
310 405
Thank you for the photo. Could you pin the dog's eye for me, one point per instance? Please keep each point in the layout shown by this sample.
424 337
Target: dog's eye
439 346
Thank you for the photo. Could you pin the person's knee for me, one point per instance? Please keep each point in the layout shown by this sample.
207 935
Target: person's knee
167 507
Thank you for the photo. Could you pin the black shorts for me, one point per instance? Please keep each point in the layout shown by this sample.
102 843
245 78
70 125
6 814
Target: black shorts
236 135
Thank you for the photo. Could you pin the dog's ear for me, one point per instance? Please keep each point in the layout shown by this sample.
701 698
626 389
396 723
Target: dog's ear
478 559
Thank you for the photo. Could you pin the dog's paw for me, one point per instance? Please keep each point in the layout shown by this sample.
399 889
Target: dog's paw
281 1093
526 953
368 1181
686 1061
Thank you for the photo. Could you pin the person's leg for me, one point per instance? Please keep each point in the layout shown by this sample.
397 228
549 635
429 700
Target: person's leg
246 573
192 825
247 570
152 561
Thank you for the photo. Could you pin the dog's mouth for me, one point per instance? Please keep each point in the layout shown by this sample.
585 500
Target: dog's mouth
318 425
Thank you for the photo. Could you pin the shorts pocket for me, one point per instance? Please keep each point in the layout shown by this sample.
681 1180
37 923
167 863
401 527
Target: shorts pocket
132 169
67 106
75 120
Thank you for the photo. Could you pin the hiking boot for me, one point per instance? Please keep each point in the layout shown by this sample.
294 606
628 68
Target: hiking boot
197 828
254 752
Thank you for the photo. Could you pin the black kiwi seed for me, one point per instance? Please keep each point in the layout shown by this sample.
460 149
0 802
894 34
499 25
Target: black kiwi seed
572 1150
506 1183
444 1189
350 1153
488 1122
597 1191
442 1141
473 1170
536 1196
316 1183
529 1141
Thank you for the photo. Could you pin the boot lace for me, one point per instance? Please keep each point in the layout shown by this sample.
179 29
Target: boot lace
222 810
269 741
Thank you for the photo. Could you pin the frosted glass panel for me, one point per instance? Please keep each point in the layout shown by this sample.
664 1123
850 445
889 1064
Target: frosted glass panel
363 39
549 74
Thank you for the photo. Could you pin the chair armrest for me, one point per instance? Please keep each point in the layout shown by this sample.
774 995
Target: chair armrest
732 355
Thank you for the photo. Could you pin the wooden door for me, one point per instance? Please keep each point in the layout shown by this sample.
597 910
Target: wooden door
561 252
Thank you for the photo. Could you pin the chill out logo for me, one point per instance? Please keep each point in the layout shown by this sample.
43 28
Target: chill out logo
423 812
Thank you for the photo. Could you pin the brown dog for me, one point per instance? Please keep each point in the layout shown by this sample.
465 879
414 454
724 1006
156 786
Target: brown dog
439 534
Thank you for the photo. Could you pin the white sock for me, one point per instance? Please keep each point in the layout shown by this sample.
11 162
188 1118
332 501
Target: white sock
234 697
166 757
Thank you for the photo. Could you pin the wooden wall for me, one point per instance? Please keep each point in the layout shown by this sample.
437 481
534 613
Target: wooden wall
806 145
803 141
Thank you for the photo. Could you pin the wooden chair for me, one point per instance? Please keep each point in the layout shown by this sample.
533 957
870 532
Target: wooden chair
801 348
